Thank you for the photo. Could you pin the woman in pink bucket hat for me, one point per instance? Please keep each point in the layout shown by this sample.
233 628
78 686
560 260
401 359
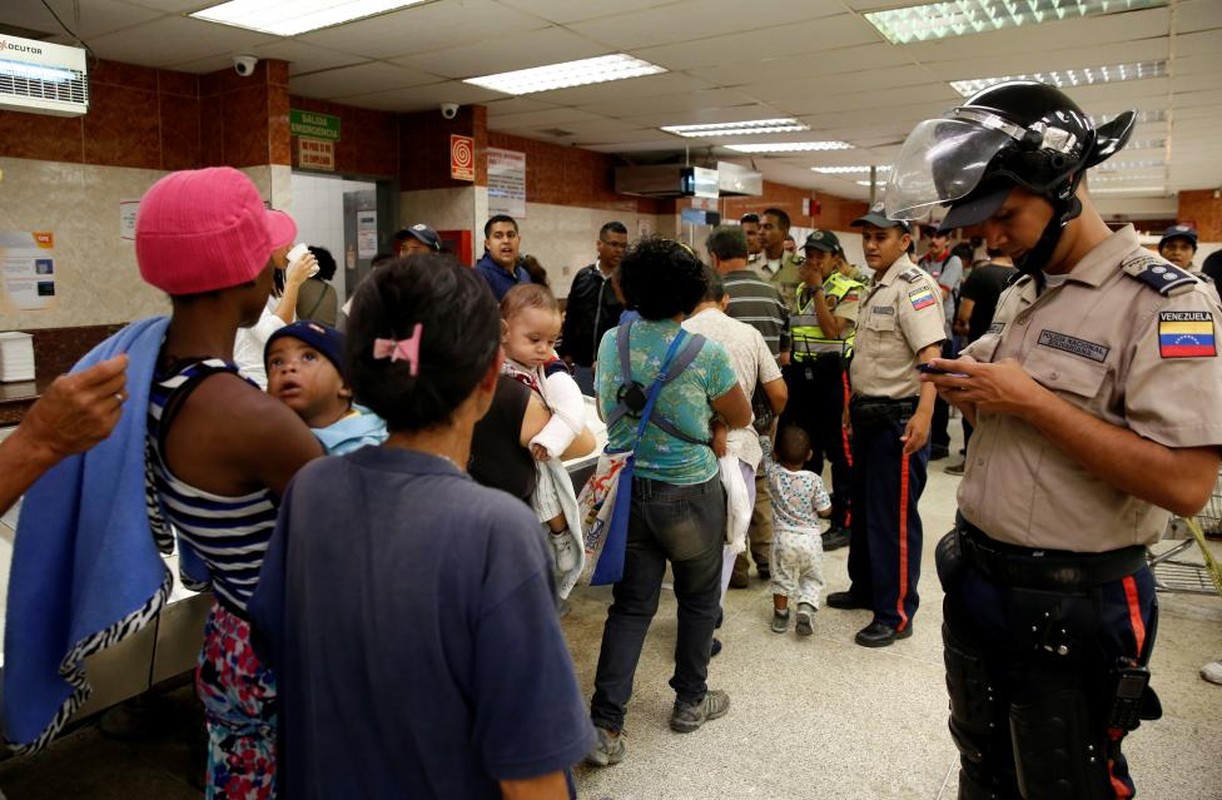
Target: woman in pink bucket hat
198 446
222 452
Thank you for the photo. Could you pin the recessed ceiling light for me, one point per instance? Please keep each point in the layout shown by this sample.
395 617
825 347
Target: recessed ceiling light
752 127
1146 144
1069 78
299 16
1145 175
789 147
1142 117
1117 166
615 67
1130 190
849 170
880 184
929 21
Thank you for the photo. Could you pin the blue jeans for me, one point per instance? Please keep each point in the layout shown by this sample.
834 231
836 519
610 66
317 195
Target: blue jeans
686 526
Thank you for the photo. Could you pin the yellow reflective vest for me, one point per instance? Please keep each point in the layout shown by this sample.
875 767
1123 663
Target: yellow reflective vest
842 296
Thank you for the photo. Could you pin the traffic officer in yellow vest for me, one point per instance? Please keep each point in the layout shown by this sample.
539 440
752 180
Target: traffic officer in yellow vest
901 326
822 330
1095 397
778 267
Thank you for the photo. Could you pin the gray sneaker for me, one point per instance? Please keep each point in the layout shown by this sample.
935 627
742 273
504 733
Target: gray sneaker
806 615
608 750
780 621
687 717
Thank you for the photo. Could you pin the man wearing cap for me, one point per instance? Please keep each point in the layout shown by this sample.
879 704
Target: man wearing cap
822 330
592 307
418 238
500 265
947 270
900 325
1094 394
1179 245
778 267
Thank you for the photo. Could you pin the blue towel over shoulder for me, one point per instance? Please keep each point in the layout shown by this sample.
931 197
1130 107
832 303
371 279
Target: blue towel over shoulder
86 571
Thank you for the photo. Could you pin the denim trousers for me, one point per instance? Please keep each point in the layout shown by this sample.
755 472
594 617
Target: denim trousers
686 526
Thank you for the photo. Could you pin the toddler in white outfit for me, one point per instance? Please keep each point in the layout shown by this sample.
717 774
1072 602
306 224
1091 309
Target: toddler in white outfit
799 502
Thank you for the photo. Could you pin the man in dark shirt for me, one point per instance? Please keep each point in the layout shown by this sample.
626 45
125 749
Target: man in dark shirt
592 307
977 301
500 265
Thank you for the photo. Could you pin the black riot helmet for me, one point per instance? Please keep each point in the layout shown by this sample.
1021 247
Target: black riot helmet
1016 133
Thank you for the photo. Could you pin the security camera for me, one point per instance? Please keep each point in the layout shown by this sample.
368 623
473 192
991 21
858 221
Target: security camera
449 110
245 65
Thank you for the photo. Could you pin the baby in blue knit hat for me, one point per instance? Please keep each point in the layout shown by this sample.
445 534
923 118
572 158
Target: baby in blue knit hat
305 371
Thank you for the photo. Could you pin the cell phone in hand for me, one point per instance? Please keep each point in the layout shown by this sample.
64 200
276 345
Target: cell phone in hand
930 369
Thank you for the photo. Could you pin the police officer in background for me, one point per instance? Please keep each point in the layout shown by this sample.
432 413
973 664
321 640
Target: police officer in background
1179 245
1095 397
900 325
822 330
775 264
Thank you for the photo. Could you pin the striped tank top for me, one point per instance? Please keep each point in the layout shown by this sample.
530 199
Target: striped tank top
230 534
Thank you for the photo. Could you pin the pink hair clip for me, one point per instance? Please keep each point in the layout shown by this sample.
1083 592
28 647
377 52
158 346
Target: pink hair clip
401 350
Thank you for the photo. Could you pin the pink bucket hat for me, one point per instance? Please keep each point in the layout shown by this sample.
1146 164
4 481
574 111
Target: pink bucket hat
206 229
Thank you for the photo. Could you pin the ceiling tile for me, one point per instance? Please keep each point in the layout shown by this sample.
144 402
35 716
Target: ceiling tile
419 98
505 54
169 41
566 11
306 58
1197 15
428 27
358 80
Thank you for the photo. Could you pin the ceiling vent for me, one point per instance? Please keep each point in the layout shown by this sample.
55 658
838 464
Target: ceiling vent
43 78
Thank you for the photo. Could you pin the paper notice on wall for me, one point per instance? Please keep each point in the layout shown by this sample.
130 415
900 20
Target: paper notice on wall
127 219
506 182
27 266
366 233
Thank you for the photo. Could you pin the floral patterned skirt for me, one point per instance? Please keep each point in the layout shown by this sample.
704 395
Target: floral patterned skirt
239 696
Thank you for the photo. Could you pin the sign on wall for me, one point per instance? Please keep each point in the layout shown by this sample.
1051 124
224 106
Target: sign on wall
462 157
313 125
28 264
127 219
506 182
315 154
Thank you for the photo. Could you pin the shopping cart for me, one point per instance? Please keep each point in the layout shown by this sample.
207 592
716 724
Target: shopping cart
1178 568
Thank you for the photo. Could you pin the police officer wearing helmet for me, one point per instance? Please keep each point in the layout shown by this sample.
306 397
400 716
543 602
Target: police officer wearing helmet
822 328
901 324
1094 397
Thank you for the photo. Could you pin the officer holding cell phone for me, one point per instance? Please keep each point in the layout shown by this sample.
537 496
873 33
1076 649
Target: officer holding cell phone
900 325
1078 451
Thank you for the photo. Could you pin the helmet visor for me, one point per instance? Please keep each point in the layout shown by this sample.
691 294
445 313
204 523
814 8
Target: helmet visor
942 160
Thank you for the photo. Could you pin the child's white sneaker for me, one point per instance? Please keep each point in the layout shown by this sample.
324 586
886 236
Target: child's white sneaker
564 549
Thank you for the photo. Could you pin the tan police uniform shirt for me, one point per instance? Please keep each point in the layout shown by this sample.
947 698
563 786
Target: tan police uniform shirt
1117 348
784 277
901 314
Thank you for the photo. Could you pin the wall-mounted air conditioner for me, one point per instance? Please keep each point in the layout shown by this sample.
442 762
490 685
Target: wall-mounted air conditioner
43 78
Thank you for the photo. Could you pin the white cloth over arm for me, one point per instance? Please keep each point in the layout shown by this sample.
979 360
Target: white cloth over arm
568 408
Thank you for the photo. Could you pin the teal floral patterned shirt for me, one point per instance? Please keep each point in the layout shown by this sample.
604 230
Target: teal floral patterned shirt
685 401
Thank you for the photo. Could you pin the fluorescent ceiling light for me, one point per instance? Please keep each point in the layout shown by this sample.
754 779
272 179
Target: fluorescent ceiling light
1142 117
1069 78
291 18
1146 175
879 184
849 170
748 128
921 23
615 67
1130 190
1117 166
789 147
1146 144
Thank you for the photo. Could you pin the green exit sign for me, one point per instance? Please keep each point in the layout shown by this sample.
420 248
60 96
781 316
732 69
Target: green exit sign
313 125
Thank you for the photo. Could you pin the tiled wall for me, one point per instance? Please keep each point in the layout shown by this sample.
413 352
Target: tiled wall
1204 209
835 213
97 280
138 117
369 140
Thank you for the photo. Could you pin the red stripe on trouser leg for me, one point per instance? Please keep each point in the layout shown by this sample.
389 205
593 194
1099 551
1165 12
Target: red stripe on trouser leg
1139 627
899 603
844 434
1119 787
